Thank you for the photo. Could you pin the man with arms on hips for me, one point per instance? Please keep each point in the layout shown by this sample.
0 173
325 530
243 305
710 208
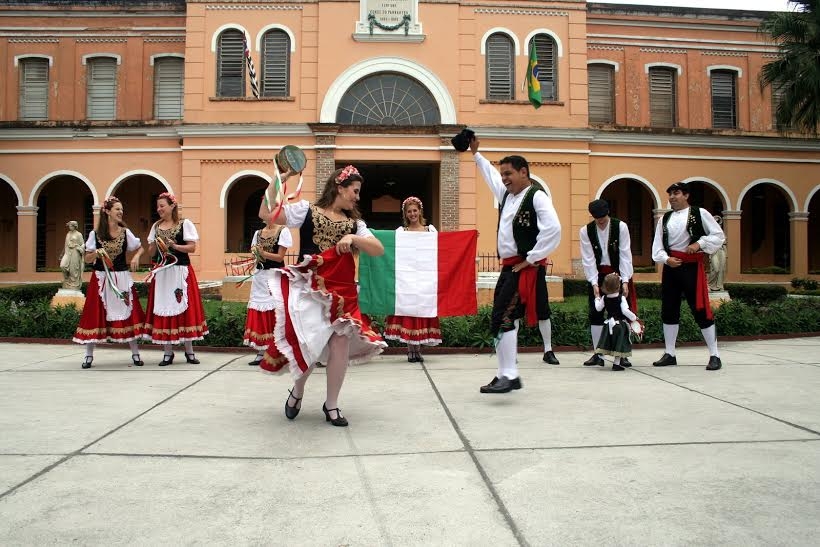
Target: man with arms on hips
683 239
528 231
605 248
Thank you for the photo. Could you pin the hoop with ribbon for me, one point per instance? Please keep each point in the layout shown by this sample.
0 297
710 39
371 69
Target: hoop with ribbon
166 260
280 189
108 265
245 266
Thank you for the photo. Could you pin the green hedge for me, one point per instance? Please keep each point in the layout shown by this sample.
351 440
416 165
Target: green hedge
34 318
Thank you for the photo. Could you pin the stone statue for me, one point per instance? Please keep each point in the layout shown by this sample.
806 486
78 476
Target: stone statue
72 260
717 265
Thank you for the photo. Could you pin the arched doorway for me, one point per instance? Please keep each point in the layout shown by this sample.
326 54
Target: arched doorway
8 227
704 195
388 185
138 194
814 228
764 230
63 198
242 212
630 201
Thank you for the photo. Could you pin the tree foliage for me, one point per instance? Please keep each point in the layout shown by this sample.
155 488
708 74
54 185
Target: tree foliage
795 73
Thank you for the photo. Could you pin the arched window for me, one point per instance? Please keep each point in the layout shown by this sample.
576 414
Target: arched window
230 64
275 64
662 96
724 99
547 53
169 77
33 89
101 102
500 67
388 99
601 79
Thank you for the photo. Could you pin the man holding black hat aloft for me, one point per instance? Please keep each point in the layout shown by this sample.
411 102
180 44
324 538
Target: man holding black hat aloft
528 231
605 248
683 239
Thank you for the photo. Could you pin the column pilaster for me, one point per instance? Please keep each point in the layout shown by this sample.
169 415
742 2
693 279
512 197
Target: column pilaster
26 241
799 226
731 227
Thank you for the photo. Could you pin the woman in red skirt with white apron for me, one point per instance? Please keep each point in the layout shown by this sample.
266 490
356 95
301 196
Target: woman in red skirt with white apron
413 331
112 311
175 313
270 244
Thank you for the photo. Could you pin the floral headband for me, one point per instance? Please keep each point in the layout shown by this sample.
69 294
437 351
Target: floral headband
109 202
412 199
346 173
169 196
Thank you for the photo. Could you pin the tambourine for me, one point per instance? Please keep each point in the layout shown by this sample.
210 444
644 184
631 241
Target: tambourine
161 245
636 328
291 158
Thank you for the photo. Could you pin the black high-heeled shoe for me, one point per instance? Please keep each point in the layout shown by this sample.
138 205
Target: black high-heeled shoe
292 411
411 358
338 421
167 360
419 358
87 362
191 358
137 361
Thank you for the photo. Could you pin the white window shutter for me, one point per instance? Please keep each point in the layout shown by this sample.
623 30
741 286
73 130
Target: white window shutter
34 89
169 78
102 89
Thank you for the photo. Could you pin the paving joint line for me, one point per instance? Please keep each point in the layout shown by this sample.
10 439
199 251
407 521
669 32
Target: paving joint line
69 456
784 422
502 508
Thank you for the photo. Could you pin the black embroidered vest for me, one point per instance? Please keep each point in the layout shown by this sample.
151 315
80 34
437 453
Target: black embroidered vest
612 246
116 251
525 221
694 226
269 245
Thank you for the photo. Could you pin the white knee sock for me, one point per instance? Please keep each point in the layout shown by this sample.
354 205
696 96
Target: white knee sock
135 349
617 360
260 354
545 327
596 331
670 336
506 349
89 350
189 346
710 337
167 349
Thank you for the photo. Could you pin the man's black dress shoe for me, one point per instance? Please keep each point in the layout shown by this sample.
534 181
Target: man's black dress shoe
501 385
714 363
666 361
594 360
625 362
550 359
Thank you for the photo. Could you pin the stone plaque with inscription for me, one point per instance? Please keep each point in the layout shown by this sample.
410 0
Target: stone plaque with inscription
388 20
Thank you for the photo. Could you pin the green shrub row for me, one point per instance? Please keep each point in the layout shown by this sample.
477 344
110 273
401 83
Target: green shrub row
226 320
752 293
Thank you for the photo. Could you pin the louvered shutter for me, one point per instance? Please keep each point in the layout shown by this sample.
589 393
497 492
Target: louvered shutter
102 89
500 67
662 97
724 110
169 76
601 93
34 89
276 64
230 73
545 50
777 98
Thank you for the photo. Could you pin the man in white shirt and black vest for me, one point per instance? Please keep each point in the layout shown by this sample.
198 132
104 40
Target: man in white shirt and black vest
684 238
528 231
605 248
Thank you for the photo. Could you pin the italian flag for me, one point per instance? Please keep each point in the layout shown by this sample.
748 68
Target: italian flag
421 274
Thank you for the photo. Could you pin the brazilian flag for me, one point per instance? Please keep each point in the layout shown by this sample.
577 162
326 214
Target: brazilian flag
533 85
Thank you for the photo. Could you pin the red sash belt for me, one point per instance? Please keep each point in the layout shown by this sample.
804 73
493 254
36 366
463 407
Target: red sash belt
526 286
702 288
632 299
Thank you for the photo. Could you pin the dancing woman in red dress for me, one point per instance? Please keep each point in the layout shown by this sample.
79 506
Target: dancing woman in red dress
112 311
317 308
413 331
175 314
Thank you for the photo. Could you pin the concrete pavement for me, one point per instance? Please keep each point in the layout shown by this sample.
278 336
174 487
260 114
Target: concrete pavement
202 454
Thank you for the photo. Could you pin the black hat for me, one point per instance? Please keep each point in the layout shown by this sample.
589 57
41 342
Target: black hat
461 142
598 208
682 186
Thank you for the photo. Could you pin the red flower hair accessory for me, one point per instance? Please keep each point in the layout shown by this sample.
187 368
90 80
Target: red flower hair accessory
412 199
169 196
109 202
346 173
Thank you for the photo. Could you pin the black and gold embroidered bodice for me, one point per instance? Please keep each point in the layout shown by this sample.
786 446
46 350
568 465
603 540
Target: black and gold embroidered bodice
116 251
319 233
174 233
270 244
